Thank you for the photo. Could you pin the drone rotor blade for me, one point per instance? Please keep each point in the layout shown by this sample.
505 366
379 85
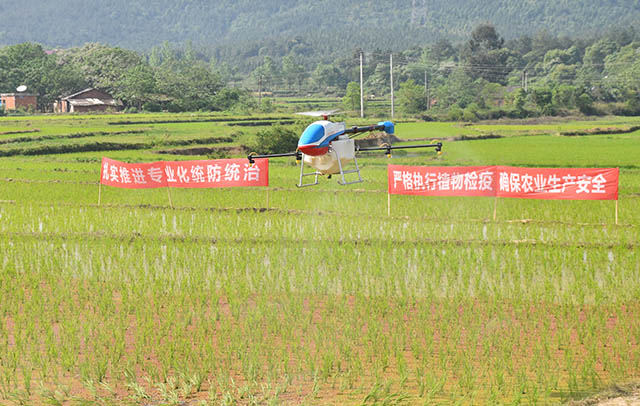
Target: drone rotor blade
319 113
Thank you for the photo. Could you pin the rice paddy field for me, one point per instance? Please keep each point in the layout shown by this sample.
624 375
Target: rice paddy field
313 296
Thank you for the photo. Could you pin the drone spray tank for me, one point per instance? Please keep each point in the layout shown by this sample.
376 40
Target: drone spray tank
341 149
326 147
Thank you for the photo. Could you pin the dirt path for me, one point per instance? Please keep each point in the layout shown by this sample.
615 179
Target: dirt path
619 395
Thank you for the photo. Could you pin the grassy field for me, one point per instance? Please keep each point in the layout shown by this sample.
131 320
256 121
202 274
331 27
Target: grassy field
310 296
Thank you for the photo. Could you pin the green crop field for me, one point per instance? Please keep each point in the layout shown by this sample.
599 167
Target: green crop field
310 296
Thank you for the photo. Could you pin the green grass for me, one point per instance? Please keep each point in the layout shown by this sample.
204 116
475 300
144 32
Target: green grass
316 297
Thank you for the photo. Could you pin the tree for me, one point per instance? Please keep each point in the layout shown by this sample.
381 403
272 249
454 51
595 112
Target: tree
562 74
442 50
595 55
61 79
103 66
458 89
561 57
519 101
484 38
621 76
585 104
541 43
328 75
293 71
411 98
265 74
351 99
564 96
225 71
485 56
378 81
543 98
492 94
137 87
191 87
230 98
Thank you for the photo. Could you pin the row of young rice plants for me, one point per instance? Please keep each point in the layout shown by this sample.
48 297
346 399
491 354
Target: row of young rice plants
321 299
520 317
194 222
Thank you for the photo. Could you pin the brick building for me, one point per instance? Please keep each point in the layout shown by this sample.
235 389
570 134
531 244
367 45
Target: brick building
14 101
87 100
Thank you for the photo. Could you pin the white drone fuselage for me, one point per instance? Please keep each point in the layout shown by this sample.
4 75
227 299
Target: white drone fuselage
326 147
341 149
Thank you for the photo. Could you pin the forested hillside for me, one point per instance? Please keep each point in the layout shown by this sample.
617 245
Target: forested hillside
336 25
453 58
482 77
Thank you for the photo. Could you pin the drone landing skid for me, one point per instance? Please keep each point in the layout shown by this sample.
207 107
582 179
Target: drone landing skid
342 172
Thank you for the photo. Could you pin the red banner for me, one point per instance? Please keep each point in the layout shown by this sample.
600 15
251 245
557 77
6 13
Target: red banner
185 174
558 183
505 181
443 180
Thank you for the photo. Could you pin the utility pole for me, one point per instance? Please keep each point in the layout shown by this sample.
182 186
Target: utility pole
426 89
391 75
260 90
361 89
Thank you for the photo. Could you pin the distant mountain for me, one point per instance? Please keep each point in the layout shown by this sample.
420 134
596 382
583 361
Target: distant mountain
141 24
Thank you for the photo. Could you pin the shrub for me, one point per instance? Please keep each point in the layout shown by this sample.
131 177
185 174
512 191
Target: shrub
152 107
230 98
454 113
469 115
274 140
174 108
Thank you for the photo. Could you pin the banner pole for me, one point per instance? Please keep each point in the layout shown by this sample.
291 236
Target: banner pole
616 211
495 208
388 204
99 193
169 194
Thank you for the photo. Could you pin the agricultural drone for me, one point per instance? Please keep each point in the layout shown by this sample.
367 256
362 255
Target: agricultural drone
327 146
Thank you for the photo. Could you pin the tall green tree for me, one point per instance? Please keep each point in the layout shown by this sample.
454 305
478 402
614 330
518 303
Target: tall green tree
621 76
543 98
103 67
458 88
351 99
327 76
266 74
137 87
485 56
191 87
293 71
411 98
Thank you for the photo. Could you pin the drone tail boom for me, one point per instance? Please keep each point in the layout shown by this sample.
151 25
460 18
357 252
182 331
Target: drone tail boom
388 148
252 157
386 126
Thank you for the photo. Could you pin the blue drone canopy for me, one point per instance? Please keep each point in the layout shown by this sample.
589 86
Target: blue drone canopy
389 127
311 134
